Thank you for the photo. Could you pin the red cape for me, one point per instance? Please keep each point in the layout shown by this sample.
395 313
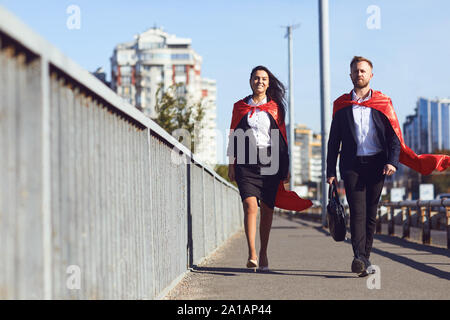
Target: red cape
424 163
285 199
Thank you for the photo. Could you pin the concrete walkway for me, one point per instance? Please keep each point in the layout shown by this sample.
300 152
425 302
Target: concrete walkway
306 263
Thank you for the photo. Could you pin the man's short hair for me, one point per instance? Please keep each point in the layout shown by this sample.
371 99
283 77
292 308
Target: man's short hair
357 59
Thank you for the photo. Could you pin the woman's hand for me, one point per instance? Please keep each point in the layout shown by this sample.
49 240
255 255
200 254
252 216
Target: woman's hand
231 172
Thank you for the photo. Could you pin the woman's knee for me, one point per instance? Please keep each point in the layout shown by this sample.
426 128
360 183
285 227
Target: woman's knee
250 204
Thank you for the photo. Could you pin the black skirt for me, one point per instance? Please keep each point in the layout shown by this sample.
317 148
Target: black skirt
252 183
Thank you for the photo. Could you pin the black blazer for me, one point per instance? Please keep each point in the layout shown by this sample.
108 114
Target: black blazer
283 148
343 130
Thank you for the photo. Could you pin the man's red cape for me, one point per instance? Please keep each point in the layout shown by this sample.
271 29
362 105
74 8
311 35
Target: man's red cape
424 163
285 199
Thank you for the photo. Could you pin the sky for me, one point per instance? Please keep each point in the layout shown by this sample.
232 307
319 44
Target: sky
407 41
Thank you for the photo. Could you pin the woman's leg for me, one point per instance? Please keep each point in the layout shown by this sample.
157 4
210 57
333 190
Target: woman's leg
250 215
264 232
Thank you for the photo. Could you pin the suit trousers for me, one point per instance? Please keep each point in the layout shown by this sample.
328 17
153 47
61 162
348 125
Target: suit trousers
363 186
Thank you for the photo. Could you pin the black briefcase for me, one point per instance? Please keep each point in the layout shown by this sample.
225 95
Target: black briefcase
336 214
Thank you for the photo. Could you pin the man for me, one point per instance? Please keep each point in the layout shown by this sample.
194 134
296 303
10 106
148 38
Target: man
370 151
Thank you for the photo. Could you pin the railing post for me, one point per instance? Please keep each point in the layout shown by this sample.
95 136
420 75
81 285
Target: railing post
426 238
391 221
418 219
406 216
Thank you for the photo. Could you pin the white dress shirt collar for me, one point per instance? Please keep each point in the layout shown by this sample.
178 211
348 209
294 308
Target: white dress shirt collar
358 99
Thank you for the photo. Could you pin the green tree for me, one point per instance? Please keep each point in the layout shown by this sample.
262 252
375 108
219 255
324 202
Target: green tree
175 112
222 170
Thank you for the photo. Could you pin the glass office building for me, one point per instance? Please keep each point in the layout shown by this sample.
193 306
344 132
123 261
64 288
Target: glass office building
428 129
445 114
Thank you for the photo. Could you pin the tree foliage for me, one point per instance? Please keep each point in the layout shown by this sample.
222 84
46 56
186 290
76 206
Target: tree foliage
175 111
222 170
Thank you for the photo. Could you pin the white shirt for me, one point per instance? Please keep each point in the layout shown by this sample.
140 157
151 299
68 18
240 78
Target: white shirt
259 122
367 139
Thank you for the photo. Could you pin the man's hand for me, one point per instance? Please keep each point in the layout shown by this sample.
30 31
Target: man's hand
231 172
389 169
330 180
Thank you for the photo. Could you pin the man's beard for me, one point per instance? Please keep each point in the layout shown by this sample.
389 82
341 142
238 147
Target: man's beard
361 85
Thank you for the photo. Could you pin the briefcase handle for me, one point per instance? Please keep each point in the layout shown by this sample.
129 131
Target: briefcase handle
333 192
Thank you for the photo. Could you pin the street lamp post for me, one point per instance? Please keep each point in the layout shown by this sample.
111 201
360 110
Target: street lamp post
325 96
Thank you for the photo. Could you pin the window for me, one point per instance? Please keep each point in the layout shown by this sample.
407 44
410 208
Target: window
181 90
151 45
179 69
181 56
126 80
423 126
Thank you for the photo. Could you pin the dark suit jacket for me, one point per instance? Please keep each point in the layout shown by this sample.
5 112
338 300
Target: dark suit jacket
343 130
283 168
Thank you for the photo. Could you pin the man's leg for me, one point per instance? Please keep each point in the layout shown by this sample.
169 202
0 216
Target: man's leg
375 182
355 191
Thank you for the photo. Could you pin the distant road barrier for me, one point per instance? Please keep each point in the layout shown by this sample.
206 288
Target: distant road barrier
424 210
92 205
425 214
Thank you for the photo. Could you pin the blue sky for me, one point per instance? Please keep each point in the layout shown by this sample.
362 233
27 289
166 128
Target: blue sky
410 51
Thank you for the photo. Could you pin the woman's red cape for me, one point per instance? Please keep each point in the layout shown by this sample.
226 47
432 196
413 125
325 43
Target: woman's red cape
285 199
424 163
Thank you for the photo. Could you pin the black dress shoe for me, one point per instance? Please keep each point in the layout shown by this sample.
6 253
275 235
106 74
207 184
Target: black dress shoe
367 271
363 274
358 265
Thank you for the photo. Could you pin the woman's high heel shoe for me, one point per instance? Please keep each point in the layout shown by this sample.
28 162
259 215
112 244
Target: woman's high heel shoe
252 264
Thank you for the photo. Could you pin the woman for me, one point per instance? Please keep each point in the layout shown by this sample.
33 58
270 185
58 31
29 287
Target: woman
261 118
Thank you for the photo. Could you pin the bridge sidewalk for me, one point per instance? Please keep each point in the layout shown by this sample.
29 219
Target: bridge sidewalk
306 263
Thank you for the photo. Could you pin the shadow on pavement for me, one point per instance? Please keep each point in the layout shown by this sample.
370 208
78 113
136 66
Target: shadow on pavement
420 266
412 245
285 272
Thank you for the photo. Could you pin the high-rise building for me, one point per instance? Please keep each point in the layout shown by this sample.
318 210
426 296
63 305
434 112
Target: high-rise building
428 129
315 163
303 137
206 147
307 156
157 60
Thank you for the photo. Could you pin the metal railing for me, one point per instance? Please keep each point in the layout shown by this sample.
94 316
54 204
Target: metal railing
92 205
406 213
424 212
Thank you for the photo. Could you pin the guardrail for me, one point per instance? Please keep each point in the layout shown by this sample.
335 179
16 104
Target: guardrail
92 205
425 211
